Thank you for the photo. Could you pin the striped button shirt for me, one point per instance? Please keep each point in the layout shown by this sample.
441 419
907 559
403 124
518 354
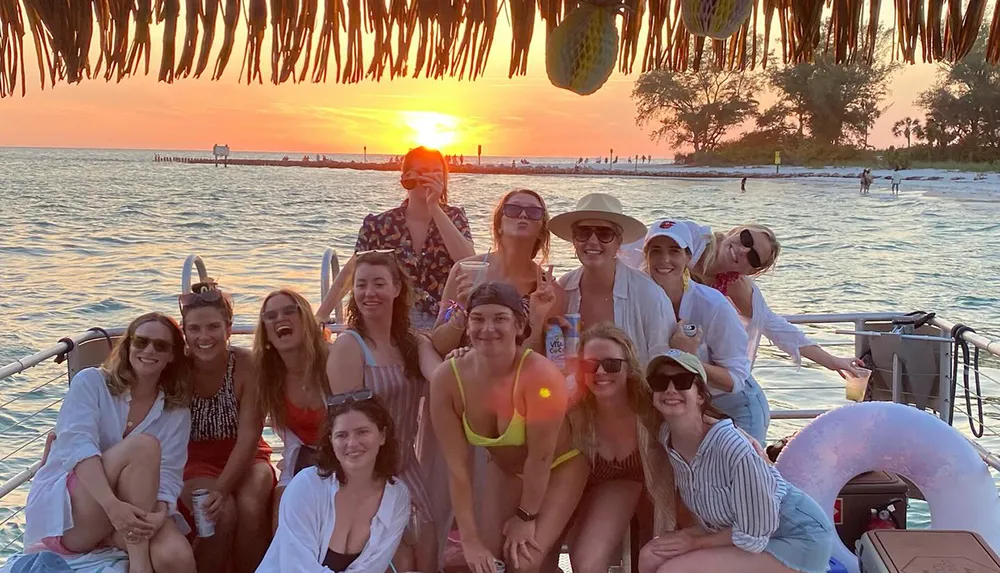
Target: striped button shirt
728 484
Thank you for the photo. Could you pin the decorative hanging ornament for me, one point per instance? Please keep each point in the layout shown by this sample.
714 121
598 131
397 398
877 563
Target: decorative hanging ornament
581 52
716 19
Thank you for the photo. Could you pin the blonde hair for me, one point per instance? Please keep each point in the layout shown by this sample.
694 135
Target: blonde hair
657 471
271 369
711 253
543 243
175 379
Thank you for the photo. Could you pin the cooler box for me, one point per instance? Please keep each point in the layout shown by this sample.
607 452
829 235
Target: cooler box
852 508
920 550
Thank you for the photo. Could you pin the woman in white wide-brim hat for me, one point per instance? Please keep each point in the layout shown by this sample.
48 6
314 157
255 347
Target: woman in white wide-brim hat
605 289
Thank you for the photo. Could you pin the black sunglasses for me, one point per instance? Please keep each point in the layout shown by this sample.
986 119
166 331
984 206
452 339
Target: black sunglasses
610 365
753 257
582 233
515 211
208 296
159 345
355 396
285 311
682 381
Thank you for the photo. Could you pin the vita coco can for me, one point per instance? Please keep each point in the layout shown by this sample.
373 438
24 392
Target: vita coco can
555 346
204 525
573 336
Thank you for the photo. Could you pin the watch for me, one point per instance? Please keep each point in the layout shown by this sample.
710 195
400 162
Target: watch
525 516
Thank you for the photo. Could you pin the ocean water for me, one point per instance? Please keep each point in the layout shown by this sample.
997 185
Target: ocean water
96 237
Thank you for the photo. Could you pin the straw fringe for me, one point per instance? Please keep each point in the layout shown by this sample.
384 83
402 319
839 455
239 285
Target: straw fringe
441 38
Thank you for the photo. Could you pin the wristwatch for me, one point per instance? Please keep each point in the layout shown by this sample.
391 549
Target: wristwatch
525 516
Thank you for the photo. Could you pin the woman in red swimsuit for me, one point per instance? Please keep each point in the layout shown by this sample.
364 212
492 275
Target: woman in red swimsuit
289 354
226 454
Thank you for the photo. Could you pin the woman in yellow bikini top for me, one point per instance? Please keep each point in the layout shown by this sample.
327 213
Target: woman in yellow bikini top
512 402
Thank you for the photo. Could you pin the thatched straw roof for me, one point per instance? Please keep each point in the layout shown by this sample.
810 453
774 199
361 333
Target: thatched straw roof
353 40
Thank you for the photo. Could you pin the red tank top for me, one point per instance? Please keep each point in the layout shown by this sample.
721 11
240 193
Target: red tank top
303 422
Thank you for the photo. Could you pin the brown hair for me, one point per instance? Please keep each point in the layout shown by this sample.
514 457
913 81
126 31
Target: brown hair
387 459
658 473
712 249
401 333
434 155
542 244
175 379
271 369
224 302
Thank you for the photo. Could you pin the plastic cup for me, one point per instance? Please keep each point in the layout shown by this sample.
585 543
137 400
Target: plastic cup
476 270
857 385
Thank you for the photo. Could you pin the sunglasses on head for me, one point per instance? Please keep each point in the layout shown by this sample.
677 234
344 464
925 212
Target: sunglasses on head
207 295
159 345
681 381
753 257
515 211
582 233
610 365
375 252
355 396
285 311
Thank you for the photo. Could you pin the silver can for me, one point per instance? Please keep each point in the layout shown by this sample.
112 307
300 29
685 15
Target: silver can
555 346
204 525
499 565
573 335
690 329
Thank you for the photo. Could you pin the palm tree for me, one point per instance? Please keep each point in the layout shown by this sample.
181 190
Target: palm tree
905 127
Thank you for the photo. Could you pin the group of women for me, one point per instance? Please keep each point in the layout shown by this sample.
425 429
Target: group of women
437 406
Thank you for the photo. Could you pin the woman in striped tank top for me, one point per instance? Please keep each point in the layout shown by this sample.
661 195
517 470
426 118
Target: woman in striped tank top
381 352
749 518
615 426
226 454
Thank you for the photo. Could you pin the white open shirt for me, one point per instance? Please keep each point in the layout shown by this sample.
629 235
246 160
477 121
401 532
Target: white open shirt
92 421
306 517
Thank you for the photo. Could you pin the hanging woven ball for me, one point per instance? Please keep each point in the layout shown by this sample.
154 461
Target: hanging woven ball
581 52
716 19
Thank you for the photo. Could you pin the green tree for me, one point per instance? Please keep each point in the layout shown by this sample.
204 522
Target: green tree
906 128
837 103
695 108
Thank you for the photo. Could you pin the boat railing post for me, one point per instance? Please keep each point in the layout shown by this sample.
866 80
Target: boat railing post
186 273
859 326
897 380
945 381
328 272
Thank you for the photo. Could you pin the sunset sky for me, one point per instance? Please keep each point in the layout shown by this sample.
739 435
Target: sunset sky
524 116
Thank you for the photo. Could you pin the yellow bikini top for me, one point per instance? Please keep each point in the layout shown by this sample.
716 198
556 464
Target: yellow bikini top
514 435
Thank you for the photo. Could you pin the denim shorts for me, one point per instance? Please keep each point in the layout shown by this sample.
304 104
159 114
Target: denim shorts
805 536
748 408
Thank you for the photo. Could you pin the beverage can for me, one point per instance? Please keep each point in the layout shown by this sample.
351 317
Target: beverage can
555 346
204 525
690 329
500 566
573 336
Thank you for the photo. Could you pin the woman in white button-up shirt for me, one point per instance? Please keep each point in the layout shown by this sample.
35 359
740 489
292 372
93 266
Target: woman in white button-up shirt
115 469
748 517
348 512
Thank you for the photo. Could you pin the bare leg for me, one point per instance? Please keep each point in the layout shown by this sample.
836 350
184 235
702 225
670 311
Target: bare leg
169 551
497 507
212 553
133 470
720 560
601 522
253 502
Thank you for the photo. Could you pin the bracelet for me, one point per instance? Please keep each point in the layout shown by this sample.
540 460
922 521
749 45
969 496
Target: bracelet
453 307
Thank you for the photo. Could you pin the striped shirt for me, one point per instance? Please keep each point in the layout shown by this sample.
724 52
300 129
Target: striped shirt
728 485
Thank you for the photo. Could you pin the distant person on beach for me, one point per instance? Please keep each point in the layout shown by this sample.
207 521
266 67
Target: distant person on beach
897 177
426 234
115 470
743 185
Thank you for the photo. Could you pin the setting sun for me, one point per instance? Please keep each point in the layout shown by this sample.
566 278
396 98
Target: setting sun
431 129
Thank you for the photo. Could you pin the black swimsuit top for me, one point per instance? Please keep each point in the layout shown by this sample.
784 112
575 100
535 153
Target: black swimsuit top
339 561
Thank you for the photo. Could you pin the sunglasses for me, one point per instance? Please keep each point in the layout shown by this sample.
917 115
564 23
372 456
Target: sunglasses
209 296
286 312
355 396
159 345
683 381
753 257
411 183
375 252
582 233
610 365
515 211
